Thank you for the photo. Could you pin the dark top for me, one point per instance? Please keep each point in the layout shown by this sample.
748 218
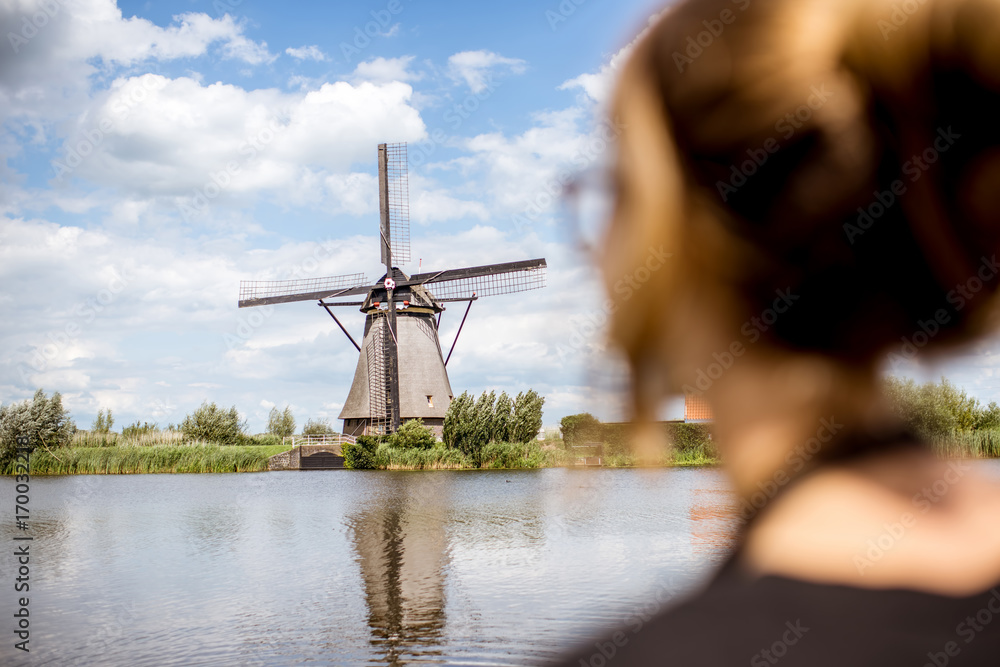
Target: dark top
741 620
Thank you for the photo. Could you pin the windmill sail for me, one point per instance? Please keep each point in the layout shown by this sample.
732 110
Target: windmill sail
394 204
489 280
264 292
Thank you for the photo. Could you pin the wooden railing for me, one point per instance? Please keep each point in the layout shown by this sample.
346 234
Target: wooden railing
309 440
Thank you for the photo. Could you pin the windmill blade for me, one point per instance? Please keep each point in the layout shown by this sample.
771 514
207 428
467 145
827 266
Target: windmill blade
264 292
394 203
489 280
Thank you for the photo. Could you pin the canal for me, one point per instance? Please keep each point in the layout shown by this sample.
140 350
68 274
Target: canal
352 567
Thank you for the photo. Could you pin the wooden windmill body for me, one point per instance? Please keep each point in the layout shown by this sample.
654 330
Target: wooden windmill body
401 372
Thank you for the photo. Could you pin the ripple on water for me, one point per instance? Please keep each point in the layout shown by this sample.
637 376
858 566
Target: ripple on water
343 567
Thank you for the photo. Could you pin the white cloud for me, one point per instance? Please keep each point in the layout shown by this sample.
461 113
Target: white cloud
84 37
380 70
151 136
476 67
307 53
597 86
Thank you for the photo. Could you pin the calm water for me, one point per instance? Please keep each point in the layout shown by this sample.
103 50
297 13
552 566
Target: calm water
352 568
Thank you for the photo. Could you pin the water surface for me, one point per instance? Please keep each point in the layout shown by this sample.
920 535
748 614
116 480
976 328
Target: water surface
353 567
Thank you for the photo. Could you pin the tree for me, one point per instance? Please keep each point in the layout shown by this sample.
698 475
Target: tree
579 429
213 424
458 421
44 421
414 435
317 427
503 419
104 422
281 423
482 420
527 416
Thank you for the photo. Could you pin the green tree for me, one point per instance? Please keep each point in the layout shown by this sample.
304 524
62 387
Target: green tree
458 421
135 430
281 422
482 420
44 421
317 427
503 419
527 416
104 422
414 435
213 424
579 429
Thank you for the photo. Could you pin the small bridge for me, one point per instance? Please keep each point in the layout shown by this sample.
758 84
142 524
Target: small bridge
312 452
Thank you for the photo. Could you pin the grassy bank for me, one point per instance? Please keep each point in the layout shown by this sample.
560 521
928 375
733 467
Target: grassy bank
496 455
110 460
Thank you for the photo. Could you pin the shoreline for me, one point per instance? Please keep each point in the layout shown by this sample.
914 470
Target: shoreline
221 459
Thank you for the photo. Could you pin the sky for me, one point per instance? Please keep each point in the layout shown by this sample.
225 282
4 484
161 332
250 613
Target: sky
153 155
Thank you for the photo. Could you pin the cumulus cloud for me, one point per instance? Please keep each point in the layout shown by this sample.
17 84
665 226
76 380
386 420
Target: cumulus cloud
151 136
307 53
597 85
476 67
379 70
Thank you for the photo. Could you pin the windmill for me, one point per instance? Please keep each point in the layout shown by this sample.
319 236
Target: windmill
401 371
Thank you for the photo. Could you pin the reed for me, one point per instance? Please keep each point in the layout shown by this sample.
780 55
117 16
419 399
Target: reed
979 444
496 455
152 459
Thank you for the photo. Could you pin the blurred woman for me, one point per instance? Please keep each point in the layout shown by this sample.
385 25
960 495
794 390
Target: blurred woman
826 174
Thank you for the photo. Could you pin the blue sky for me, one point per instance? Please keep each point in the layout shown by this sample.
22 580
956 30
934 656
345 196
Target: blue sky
155 154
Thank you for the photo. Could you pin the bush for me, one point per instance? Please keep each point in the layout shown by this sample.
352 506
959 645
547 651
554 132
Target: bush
580 429
362 455
317 428
213 424
42 420
281 423
414 435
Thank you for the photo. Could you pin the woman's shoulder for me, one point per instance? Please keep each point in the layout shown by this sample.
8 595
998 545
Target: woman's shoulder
740 618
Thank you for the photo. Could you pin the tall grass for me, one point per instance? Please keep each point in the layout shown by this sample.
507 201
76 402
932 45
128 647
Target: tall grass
496 455
984 443
155 459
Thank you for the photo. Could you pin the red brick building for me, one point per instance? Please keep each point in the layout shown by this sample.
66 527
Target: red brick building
696 409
